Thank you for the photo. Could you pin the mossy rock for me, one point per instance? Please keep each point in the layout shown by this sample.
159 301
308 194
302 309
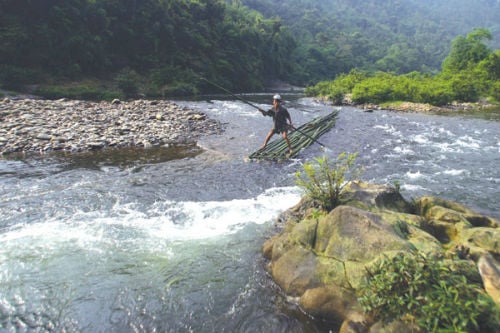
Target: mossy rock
485 238
375 197
424 204
295 271
489 270
433 208
332 302
348 233
322 258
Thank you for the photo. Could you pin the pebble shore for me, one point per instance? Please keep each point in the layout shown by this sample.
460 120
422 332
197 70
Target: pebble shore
41 126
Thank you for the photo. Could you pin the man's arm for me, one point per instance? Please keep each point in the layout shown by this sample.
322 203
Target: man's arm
289 118
266 113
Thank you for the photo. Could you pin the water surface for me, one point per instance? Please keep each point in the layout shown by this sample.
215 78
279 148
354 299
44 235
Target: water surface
169 239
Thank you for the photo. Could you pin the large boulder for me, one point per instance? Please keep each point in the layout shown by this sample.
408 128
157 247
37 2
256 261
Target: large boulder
327 256
490 273
320 259
376 197
433 208
455 224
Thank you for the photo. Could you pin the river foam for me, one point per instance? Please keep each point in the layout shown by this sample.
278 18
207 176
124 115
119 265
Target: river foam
164 221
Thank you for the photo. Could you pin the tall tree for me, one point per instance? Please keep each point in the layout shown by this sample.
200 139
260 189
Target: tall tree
467 51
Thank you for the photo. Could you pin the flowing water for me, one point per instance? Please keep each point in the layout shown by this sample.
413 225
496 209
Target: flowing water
168 239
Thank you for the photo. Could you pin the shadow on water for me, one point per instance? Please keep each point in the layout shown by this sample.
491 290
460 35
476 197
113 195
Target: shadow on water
115 157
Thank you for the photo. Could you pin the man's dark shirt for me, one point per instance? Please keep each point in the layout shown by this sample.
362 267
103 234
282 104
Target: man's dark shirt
280 117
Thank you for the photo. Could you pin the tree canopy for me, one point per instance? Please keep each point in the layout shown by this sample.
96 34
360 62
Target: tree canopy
168 42
161 47
470 72
400 36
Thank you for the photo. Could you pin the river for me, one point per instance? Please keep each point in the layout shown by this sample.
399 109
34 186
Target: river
168 239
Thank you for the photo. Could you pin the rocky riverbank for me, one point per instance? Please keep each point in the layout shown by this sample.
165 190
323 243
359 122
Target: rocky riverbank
40 126
428 108
421 107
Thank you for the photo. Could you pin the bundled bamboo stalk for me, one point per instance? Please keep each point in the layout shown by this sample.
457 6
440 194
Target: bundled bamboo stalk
300 138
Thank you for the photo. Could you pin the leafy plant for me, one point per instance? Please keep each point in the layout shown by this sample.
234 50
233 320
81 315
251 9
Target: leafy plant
336 89
429 290
397 186
324 181
402 229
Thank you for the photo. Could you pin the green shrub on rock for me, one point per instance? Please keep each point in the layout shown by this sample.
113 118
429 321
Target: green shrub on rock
431 291
323 181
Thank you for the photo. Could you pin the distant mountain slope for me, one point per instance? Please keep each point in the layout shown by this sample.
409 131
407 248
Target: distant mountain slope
390 35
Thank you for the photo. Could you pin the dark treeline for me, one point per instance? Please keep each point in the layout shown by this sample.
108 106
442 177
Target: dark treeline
160 47
163 44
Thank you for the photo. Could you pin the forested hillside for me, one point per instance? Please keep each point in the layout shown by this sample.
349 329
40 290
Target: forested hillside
470 73
161 47
399 36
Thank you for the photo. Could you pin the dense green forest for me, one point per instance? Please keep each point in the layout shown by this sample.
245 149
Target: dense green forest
470 73
158 47
400 36
86 48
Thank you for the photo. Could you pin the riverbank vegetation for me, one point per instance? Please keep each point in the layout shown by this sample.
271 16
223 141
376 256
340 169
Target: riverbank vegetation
470 73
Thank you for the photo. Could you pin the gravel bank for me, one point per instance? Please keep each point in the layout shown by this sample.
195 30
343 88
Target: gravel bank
31 125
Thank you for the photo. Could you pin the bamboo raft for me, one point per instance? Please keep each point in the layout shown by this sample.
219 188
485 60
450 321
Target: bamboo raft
300 138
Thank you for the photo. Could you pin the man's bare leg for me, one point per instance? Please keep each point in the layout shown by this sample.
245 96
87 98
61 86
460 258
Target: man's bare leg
268 137
285 136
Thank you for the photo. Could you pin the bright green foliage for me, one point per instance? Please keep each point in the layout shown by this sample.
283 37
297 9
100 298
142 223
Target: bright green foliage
471 72
381 87
323 181
335 90
429 290
467 51
376 89
495 91
489 67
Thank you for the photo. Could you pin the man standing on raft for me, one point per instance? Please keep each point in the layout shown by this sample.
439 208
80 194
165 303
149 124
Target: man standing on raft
280 116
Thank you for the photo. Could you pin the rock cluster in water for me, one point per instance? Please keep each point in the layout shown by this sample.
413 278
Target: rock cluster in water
32 125
322 261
